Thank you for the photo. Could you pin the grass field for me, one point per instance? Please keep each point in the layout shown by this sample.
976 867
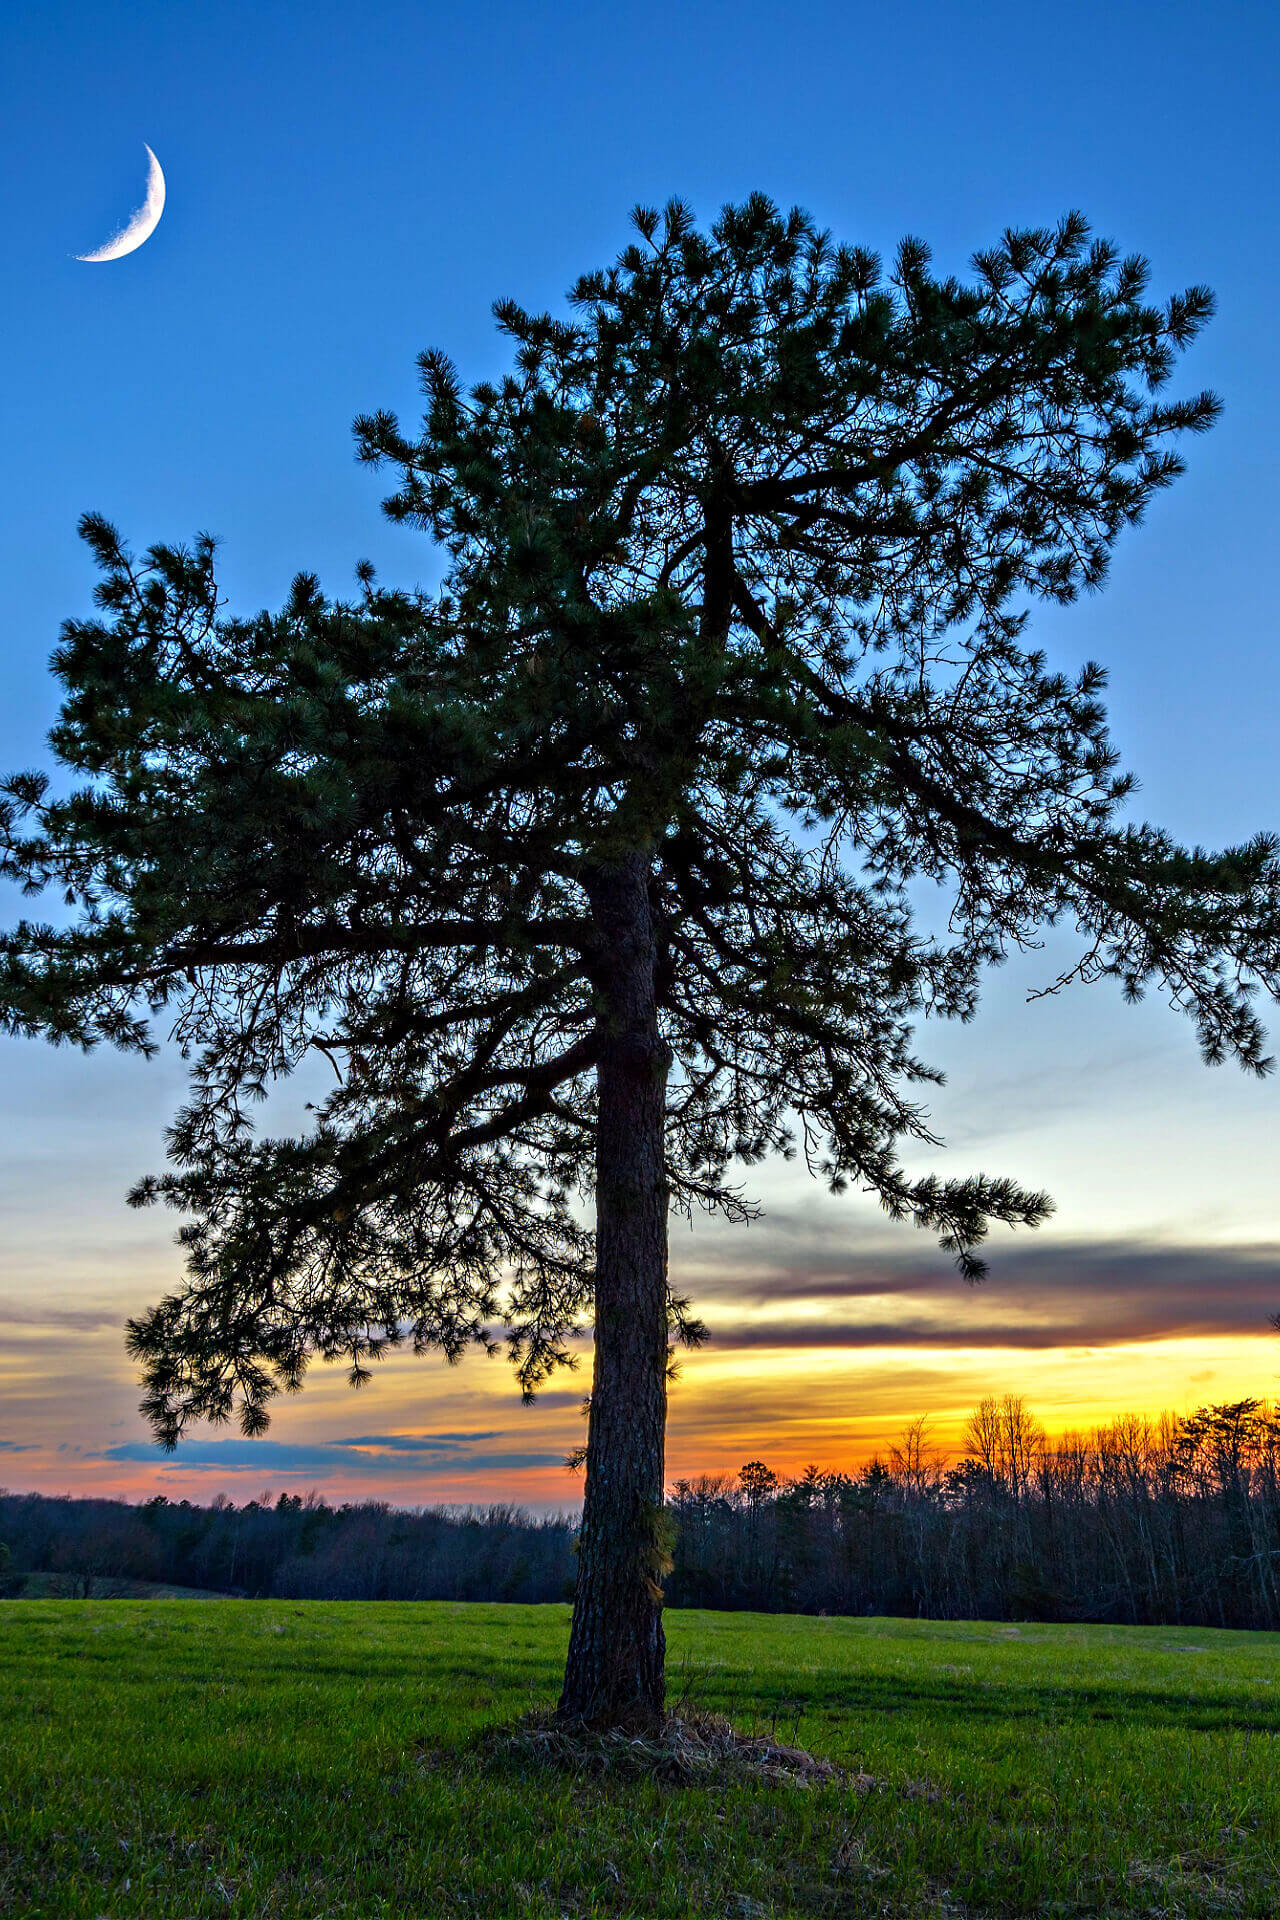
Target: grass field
172 1759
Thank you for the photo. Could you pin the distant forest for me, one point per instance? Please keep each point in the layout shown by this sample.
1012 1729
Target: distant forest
1166 1521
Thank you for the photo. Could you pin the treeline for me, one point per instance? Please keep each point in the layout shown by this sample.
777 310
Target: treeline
297 1547
1172 1520
1166 1521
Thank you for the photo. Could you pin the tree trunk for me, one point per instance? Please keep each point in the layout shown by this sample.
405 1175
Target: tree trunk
615 1673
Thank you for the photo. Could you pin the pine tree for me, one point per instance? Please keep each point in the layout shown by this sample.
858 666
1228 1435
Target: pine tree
588 874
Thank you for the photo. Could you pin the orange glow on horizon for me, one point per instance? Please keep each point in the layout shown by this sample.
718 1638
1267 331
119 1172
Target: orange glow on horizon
829 1407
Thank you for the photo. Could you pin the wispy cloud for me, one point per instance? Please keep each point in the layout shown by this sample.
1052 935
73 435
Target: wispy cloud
300 1458
16 1446
1061 1294
22 1313
413 1442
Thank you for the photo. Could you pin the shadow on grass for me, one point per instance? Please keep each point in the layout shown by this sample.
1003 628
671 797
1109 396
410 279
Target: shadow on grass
984 1700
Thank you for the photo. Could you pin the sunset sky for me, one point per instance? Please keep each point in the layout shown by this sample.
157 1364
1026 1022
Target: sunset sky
349 185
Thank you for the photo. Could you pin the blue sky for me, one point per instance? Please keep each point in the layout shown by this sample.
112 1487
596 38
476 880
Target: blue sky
348 185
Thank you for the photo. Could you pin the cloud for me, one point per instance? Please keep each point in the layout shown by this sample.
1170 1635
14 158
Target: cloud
1063 1294
559 1397
413 1442
293 1457
16 1446
1033 1335
980 1106
74 1319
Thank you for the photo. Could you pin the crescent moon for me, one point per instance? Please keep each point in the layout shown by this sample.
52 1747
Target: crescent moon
141 225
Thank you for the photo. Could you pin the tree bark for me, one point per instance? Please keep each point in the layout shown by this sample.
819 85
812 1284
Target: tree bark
615 1670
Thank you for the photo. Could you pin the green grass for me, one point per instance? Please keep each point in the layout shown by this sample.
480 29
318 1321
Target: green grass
174 1759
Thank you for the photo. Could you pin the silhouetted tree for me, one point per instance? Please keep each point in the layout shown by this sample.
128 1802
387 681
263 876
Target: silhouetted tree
589 874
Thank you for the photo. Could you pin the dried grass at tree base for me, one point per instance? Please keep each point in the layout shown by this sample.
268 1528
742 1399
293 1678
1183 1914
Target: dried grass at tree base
691 1749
